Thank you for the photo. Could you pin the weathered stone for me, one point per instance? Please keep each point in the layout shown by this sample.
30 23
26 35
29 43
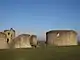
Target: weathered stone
61 37
33 40
22 41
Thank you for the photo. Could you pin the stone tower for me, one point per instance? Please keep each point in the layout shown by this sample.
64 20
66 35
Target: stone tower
10 34
33 40
22 41
61 37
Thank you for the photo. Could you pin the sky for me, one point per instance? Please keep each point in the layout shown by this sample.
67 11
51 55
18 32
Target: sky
39 16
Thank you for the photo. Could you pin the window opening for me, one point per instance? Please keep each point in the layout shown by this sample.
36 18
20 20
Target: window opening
7 40
58 34
8 33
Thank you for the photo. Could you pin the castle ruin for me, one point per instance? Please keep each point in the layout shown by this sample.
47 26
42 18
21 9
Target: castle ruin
9 40
22 41
55 37
61 38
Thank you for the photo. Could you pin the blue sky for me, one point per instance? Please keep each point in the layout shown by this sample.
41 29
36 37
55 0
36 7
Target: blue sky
39 16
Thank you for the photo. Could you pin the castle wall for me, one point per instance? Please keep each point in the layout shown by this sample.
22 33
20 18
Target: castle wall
61 38
22 41
3 44
8 40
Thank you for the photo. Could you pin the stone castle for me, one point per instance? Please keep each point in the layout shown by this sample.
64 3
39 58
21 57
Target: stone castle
9 40
55 37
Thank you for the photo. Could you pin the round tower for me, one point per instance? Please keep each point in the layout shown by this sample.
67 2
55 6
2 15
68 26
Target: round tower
33 40
22 41
61 37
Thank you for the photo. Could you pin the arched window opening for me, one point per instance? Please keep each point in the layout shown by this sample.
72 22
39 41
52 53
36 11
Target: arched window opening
8 33
7 40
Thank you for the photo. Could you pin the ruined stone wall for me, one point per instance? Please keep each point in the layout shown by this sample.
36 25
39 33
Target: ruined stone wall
8 40
3 44
22 41
10 34
61 38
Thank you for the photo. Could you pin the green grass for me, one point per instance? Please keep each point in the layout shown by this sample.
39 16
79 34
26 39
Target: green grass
44 53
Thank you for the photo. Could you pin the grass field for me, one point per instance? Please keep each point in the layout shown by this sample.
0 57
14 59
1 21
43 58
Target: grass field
43 53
